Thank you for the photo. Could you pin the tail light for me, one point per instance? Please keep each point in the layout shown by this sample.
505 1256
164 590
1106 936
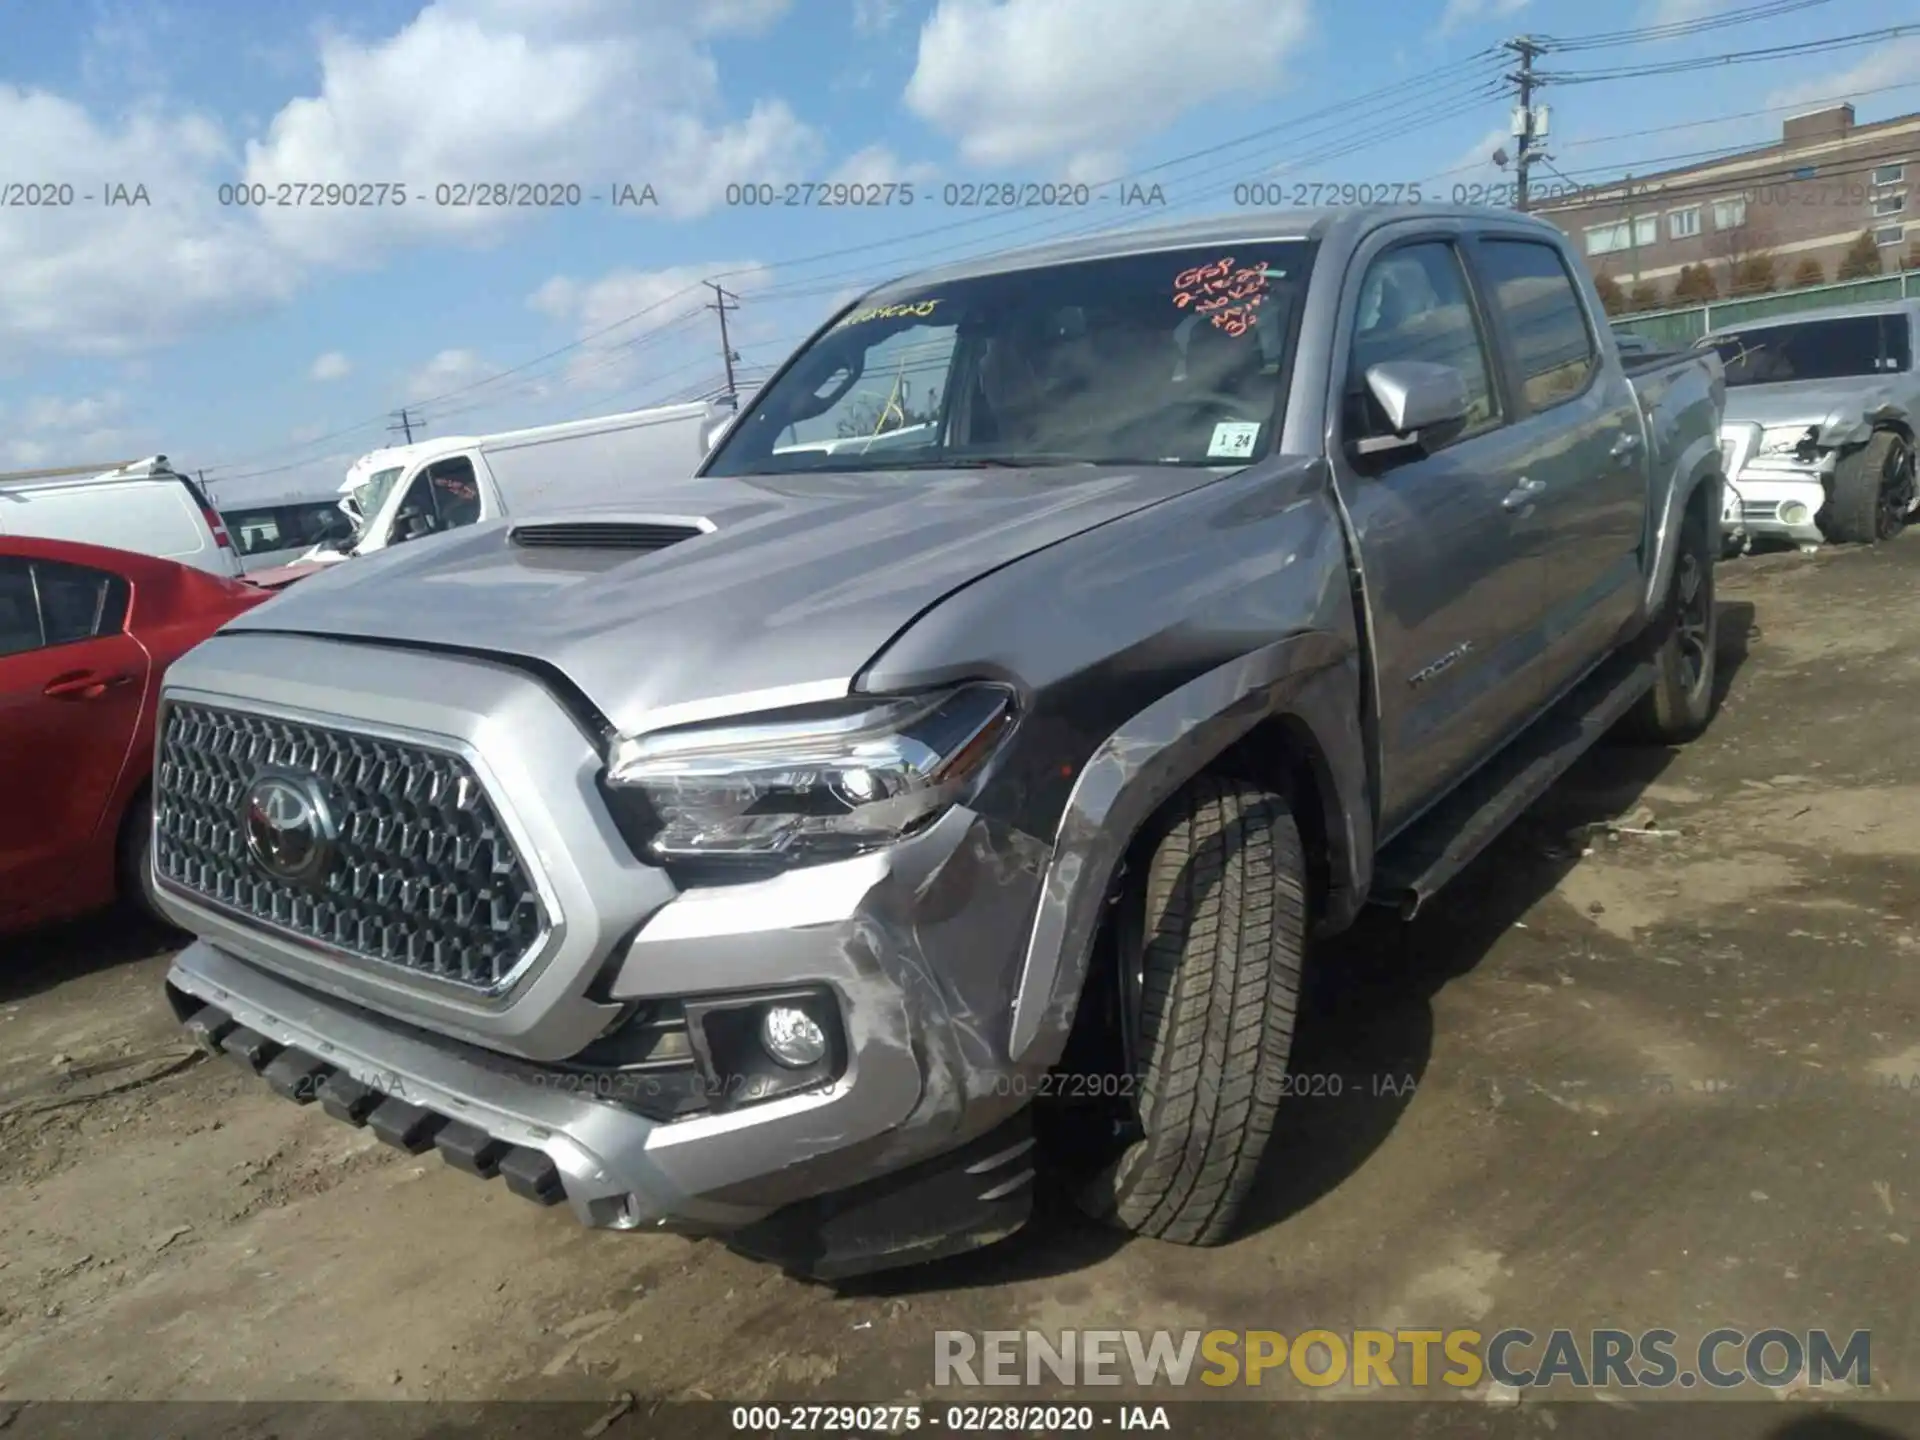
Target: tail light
218 526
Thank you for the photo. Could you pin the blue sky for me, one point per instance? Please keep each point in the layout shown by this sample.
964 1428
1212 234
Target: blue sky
268 345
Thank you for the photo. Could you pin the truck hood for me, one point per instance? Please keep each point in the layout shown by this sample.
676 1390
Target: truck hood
799 581
1845 411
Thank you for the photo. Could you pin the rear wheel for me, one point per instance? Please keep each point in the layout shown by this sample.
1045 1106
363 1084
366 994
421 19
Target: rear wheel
1873 490
137 891
1209 956
1681 701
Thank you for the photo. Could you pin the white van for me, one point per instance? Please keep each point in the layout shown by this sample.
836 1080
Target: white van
406 491
146 507
275 529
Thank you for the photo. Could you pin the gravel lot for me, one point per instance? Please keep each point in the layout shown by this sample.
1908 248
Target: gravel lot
1637 1080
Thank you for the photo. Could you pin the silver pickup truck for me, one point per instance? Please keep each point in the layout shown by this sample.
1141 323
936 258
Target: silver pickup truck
811 851
1822 410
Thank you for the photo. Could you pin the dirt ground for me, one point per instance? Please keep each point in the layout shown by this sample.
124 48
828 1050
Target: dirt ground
1667 1077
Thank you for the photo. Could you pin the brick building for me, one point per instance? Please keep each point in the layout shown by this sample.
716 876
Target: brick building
1809 196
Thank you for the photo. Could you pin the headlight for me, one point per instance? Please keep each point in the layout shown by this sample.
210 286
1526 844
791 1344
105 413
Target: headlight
1797 441
813 784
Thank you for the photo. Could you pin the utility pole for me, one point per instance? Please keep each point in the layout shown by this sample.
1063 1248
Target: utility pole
406 422
1525 129
727 355
1633 231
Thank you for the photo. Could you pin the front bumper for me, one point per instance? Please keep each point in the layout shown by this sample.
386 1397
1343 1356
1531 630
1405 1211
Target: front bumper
917 948
1776 504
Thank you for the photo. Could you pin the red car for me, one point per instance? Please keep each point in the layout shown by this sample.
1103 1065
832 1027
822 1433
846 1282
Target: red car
85 635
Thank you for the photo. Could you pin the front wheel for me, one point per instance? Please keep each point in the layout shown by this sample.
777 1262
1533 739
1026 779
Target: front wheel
1210 983
1873 489
1682 640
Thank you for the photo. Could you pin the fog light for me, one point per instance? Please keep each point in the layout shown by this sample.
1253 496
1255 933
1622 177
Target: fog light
1794 513
792 1037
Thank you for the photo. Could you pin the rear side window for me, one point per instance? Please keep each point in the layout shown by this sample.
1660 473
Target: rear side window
45 603
1541 308
78 602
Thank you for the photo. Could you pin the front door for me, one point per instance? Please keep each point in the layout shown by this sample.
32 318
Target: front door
1447 547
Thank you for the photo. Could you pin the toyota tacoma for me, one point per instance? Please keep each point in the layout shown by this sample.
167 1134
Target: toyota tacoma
954 771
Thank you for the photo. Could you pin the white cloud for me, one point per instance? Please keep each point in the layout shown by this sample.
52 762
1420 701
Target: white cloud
874 17
1471 12
1889 64
1475 163
878 165
93 279
567 92
55 431
1016 82
654 339
330 366
449 370
1678 12
89 412
591 91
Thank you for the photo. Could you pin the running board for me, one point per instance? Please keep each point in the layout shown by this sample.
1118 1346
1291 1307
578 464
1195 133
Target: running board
1441 843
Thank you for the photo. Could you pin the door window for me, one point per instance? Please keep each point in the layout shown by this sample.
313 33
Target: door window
456 496
1414 305
19 611
45 603
1536 298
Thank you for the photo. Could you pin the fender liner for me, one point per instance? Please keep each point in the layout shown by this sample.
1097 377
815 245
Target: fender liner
1314 678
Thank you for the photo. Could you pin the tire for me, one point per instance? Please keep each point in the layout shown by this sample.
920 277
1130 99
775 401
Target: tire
1221 907
1682 644
1872 492
136 863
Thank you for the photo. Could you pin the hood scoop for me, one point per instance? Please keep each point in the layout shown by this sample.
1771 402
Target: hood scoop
628 535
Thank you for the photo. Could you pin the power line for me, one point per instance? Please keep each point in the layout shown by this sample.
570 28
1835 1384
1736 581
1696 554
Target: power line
1736 57
1678 29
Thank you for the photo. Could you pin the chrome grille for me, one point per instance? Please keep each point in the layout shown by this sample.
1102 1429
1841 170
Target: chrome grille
424 875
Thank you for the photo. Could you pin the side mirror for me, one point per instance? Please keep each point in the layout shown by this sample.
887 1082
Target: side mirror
1418 395
713 428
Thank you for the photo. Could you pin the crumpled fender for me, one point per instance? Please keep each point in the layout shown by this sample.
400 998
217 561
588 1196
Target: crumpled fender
1855 427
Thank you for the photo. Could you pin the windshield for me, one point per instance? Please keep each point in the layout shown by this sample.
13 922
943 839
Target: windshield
1815 350
1170 358
370 494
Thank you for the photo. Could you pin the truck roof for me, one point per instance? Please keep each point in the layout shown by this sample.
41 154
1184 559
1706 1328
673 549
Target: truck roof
1326 223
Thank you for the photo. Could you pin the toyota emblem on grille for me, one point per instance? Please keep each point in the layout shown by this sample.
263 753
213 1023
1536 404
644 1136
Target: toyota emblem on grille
290 831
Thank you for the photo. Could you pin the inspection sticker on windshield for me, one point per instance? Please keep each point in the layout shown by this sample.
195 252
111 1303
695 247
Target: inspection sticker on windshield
1233 440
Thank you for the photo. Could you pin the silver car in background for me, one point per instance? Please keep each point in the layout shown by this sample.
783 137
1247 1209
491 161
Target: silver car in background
1818 439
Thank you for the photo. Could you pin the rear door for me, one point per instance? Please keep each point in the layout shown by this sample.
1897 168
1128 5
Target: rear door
1452 580
72 683
1581 444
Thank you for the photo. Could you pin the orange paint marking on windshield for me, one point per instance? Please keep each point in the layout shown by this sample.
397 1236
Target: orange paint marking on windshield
1228 297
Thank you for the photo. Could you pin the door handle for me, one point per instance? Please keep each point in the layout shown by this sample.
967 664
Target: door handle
84 685
1523 494
1624 447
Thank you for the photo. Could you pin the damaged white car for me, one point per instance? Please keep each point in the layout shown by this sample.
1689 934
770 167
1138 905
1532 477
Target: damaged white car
1818 440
